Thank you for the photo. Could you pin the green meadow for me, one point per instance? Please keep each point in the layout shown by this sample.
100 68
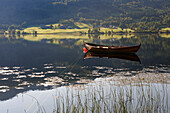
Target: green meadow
83 28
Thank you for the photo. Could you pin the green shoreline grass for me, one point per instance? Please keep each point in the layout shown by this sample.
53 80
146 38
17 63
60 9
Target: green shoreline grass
83 29
109 98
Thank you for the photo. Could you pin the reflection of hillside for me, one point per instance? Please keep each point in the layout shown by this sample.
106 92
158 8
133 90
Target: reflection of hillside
152 46
27 65
57 38
164 35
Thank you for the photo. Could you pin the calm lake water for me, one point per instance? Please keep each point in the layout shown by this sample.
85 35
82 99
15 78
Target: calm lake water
34 70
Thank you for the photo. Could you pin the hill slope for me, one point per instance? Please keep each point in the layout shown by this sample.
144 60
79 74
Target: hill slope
35 12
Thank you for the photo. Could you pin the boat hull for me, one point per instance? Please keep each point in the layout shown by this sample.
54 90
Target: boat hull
102 48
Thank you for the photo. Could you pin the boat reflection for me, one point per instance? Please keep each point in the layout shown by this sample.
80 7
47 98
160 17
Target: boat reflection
125 56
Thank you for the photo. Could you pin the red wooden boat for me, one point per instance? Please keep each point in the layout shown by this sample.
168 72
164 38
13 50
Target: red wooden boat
103 48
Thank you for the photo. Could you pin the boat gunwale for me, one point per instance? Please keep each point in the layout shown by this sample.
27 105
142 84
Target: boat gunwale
113 47
96 47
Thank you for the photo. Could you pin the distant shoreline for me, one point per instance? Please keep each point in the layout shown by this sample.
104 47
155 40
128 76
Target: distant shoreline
26 33
81 28
78 33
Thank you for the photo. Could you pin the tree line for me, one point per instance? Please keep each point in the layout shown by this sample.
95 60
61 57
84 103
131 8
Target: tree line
139 15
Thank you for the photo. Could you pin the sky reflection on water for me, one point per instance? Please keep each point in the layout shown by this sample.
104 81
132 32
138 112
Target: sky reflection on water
27 67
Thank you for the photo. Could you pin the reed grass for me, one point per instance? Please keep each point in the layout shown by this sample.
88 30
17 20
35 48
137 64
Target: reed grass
118 94
101 98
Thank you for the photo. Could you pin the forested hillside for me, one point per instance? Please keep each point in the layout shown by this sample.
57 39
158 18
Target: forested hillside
144 14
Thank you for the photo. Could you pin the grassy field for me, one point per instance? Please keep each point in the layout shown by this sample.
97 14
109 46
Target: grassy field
83 29
115 30
53 31
69 31
83 25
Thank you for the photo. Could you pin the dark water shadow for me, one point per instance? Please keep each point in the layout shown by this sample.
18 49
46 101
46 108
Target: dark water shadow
124 56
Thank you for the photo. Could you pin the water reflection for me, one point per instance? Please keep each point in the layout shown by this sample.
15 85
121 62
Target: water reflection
53 62
125 56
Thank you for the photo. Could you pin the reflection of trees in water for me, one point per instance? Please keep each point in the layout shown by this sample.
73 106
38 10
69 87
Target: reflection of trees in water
151 43
65 63
153 47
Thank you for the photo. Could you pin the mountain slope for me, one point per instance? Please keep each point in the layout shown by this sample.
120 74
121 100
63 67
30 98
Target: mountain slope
35 12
